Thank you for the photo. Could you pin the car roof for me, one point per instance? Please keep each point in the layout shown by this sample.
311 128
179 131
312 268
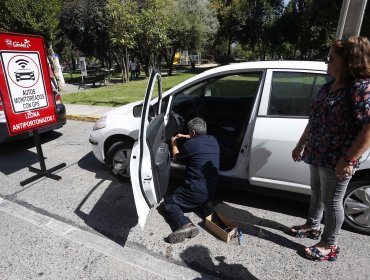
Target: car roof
256 65
285 64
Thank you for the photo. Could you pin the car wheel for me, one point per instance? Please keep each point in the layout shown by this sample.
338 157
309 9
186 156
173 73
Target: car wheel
357 206
118 159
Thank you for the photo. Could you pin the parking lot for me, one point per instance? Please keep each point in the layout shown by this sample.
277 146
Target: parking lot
91 199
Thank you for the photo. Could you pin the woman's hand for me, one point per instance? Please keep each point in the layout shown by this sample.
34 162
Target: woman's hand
343 170
297 153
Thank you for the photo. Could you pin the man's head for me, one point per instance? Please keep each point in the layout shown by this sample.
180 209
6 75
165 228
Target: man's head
197 126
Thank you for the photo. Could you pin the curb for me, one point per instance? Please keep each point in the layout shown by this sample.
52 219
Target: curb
82 118
125 254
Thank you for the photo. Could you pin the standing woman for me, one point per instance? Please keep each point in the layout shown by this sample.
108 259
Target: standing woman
336 136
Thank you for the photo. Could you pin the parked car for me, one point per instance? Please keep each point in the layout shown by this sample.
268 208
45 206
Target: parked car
256 110
61 116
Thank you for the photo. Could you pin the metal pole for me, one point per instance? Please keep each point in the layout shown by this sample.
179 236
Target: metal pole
350 19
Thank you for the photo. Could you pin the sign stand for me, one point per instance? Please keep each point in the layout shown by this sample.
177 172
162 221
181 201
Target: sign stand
43 171
26 92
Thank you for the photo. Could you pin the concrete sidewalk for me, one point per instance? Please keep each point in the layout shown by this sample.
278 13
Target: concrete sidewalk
85 112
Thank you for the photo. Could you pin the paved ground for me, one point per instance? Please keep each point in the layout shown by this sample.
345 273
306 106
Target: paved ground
69 88
90 199
267 253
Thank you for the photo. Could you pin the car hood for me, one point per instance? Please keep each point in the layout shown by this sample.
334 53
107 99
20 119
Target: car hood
122 110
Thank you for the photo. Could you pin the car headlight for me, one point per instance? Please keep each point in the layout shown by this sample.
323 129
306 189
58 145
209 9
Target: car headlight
100 123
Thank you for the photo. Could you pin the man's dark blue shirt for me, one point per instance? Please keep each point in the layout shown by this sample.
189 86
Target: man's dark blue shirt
201 154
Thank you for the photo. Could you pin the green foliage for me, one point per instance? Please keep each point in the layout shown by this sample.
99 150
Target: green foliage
85 22
123 23
243 52
150 30
31 17
191 26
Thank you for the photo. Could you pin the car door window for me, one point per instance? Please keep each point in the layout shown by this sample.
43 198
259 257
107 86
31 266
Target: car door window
238 85
292 92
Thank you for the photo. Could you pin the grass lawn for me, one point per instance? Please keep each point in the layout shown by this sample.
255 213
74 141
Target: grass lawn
123 93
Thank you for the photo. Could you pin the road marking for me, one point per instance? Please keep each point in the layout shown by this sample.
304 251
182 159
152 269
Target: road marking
127 255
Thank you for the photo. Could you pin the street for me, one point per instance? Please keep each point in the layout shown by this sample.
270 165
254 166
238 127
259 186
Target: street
85 226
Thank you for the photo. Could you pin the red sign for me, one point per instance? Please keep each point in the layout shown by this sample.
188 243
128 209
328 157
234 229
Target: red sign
25 85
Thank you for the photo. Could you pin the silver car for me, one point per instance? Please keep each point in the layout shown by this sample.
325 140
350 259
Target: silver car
256 110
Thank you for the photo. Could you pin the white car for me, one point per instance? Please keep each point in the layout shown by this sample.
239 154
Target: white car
256 110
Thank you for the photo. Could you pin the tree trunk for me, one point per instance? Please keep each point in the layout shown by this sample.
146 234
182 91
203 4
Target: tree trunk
127 78
123 70
170 66
117 60
147 67
56 65
229 49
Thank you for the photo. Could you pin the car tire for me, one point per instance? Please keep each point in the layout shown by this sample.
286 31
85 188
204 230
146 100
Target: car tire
357 206
118 159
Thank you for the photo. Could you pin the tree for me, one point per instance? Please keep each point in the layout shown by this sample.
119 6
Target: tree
192 25
259 29
151 37
230 19
123 27
32 17
86 22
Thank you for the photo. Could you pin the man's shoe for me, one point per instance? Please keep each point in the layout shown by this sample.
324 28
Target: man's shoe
186 231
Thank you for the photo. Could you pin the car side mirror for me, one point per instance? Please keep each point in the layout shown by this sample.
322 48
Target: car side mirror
137 110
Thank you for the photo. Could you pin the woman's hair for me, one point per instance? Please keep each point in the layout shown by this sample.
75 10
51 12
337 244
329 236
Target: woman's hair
198 125
356 53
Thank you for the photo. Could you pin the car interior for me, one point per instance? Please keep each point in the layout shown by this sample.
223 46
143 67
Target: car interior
225 103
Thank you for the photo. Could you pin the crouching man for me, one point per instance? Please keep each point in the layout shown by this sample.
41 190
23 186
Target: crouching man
201 155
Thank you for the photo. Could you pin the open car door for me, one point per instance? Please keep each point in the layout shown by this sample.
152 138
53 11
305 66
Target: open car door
150 157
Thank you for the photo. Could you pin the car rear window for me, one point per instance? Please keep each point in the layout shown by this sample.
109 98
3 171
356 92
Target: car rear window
292 92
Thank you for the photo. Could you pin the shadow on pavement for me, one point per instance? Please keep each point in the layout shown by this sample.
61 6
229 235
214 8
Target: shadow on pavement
198 258
256 226
266 199
114 213
12 152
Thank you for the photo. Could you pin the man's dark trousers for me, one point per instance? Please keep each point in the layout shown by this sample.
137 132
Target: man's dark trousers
183 199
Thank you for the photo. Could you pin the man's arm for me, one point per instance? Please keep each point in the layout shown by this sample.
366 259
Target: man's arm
175 149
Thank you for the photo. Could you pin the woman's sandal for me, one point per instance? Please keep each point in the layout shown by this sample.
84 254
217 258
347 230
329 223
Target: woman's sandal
315 255
300 232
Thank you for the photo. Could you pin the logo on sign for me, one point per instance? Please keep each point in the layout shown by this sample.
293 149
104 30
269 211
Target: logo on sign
23 71
25 44
8 42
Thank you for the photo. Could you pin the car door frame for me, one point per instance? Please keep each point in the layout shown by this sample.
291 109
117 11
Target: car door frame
150 157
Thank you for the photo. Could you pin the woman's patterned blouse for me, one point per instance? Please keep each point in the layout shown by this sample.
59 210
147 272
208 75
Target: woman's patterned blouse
334 122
